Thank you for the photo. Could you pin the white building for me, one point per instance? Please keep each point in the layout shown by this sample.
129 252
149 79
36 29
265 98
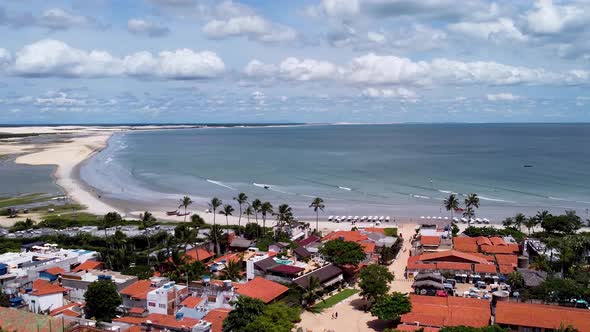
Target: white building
44 296
77 282
166 299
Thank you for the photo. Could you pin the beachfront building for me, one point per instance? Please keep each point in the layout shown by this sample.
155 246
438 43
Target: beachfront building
466 267
20 269
437 312
539 317
259 288
77 282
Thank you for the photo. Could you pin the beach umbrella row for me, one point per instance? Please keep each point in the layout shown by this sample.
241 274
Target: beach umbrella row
357 218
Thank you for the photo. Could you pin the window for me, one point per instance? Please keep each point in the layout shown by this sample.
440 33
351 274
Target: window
163 306
152 304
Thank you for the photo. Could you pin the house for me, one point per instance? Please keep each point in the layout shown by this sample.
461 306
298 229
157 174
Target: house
241 244
301 253
262 289
77 282
135 295
73 309
174 323
44 296
199 254
532 278
165 299
429 242
540 317
465 266
88 265
310 240
193 307
487 245
437 312
217 293
328 275
216 317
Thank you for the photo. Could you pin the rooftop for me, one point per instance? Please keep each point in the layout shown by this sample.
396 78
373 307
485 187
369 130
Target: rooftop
216 317
138 290
55 270
324 274
192 302
542 316
88 265
351 236
430 240
199 254
170 321
261 289
42 287
447 311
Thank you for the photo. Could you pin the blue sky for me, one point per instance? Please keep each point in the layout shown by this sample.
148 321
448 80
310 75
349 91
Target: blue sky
108 61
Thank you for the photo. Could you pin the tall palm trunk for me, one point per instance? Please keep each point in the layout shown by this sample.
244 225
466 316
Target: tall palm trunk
317 218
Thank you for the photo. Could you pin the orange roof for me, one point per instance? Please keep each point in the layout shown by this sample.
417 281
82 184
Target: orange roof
482 240
510 249
485 268
42 287
216 317
430 240
138 290
202 254
352 236
134 329
465 244
368 247
66 307
130 320
170 321
452 254
447 311
498 241
405 327
453 266
420 266
137 310
55 270
489 258
506 269
88 265
192 301
542 316
507 259
262 289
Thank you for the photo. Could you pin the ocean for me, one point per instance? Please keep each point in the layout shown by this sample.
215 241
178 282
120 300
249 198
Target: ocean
403 170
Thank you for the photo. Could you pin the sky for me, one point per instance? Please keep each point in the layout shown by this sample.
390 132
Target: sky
368 61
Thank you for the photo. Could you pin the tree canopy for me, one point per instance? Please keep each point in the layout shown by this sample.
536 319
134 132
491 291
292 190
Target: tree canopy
251 315
374 281
246 309
342 252
391 307
515 280
567 223
102 300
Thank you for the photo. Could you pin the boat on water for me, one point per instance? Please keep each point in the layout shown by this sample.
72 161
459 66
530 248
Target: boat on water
527 165
172 213
180 214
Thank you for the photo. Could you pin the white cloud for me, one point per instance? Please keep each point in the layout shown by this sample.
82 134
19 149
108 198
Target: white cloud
251 26
341 8
502 97
401 93
306 69
548 18
55 58
143 27
376 37
59 19
255 68
59 99
503 28
5 57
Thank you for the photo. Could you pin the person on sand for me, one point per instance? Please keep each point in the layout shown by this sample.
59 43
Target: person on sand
336 315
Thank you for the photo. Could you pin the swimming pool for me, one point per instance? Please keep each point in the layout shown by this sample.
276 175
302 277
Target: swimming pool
283 261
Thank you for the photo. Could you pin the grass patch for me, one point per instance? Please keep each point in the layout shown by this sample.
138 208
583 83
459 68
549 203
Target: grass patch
390 231
59 208
23 199
333 300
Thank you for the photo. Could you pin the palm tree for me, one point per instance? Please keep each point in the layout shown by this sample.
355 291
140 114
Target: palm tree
227 211
147 219
185 202
215 232
311 291
472 201
214 205
451 204
541 216
233 270
519 219
241 199
265 208
249 211
469 214
318 205
284 216
530 223
256 205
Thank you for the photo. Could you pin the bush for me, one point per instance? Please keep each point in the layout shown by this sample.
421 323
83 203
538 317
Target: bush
390 231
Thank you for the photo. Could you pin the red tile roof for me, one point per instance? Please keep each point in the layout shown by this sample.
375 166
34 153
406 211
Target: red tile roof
409 328
453 266
287 269
352 236
506 269
216 317
485 268
42 287
138 290
368 247
192 301
447 311
262 289
452 254
130 320
88 265
465 244
498 241
66 307
137 310
202 254
430 240
507 259
420 266
482 240
510 249
308 240
542 316
55 270
170 321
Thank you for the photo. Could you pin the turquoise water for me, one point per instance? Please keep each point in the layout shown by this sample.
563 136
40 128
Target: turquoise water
396 170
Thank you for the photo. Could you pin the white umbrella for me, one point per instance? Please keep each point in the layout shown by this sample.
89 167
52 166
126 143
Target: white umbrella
387 218
428 217
330 218
455 219
421 217
446 218
439 217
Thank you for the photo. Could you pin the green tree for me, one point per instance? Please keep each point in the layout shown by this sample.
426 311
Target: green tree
242 199
251 231
214 235
374 282
277 317
197 221
265 209
102 300
568 223
233 270
519 219
391 307
185 202
318 205
541 216
469 213
530 223
214 205
285 217
249 211
246 309
515 280
471 203
256 205
227 211
312 291
147 219
451 204
342 252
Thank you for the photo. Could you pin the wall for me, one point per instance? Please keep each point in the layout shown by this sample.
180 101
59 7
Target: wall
41 303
